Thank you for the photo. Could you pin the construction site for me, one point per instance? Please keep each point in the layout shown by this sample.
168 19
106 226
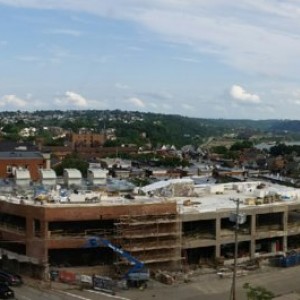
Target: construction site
38 237
175 225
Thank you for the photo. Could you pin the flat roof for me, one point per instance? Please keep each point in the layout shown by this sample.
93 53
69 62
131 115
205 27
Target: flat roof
105 201
19 155
165 183
212 202
213 198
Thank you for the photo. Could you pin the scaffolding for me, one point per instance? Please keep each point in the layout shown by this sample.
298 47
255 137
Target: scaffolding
154 239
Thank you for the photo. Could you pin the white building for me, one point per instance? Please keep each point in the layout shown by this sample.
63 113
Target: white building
48 177
72 177
22 177
97 176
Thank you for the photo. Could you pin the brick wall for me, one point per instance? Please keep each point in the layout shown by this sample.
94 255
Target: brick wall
38 247
32 164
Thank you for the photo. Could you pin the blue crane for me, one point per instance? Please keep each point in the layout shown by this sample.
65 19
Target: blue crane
137 274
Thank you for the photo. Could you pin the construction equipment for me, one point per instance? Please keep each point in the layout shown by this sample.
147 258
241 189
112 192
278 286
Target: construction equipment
41 195
137 275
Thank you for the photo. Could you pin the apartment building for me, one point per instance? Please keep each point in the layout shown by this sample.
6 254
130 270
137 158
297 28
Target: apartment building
86 138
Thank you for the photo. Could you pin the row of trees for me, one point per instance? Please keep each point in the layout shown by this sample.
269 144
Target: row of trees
233 151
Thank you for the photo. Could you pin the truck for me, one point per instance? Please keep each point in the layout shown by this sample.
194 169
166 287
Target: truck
138 275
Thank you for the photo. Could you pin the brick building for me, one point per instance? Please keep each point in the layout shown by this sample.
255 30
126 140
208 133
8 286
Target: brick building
10 161
194 230
56 234
87 139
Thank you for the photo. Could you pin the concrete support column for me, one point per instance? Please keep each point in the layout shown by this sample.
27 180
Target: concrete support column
44 229
29 227
218 237
253 236
29 233
285 229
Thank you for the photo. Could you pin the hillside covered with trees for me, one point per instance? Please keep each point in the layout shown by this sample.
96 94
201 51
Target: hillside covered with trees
143 128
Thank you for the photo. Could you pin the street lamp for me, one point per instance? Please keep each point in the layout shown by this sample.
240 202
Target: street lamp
238 219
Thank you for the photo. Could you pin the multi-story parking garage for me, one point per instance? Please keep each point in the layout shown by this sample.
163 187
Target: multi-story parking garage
163 232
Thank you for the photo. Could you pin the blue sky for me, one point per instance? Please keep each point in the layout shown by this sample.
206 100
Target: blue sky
199 58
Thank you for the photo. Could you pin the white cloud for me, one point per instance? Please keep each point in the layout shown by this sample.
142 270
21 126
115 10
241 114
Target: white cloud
76 99
255 36
187 59
136 102
12 101
134 48
72 99
240 95
70 32
252 35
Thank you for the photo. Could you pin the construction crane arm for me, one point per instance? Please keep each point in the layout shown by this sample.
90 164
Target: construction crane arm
98 242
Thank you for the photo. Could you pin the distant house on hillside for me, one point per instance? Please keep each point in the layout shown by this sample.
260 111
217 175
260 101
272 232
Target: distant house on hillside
87 138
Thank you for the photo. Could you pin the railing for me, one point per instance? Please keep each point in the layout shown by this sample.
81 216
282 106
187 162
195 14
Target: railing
11 227
83 234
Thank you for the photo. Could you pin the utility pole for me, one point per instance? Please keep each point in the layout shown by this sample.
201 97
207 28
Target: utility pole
238 219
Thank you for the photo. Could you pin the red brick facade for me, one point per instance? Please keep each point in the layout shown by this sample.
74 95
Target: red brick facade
38 246
8 166
87 140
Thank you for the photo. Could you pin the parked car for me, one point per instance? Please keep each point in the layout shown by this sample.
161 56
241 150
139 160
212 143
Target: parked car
6 292
10 278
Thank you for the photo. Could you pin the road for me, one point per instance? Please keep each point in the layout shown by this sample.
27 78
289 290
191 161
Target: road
26 292
210 287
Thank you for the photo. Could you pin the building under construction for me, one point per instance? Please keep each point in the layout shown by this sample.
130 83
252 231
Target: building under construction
191 225
41 235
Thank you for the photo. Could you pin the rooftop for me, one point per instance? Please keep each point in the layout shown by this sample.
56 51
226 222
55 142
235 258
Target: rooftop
220 197
20 155
206 197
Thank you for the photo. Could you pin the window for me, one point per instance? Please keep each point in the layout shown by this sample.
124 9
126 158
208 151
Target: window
9 169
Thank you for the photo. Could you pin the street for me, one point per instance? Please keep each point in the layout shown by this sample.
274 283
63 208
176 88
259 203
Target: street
210 287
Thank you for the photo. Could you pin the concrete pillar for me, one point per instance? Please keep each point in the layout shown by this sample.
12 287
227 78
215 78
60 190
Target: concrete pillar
47 157
253 236
218 236
29 227
29 233
36 246
285 230
44 229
